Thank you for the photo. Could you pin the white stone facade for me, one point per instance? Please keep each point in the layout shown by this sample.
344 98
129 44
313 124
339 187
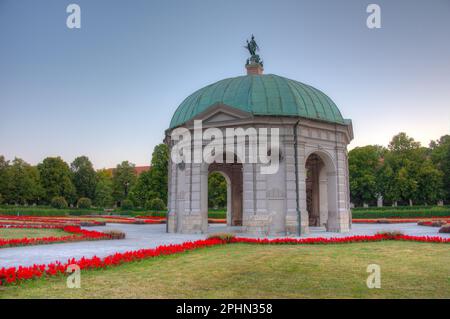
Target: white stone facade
271 204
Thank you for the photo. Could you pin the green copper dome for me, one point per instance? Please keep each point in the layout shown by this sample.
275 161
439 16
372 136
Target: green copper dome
265 94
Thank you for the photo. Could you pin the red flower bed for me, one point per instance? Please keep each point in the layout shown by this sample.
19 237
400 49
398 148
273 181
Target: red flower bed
78 235
340 240
217 221
137 220
61 220
16 275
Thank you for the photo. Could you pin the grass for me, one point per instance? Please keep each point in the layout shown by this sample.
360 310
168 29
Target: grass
408 270
16 233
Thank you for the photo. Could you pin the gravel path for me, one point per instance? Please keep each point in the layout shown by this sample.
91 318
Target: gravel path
148 236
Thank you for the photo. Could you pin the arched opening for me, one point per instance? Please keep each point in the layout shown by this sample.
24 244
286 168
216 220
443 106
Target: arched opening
321 201
219 188
232 174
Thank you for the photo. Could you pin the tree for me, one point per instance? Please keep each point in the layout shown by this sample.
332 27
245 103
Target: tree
56 179
404 158
440 156
84 202
217 190
83 177
142 191
402 143
103 189
153 183
124 177
159 172
4 178
429 183
155 204
24 184
364 166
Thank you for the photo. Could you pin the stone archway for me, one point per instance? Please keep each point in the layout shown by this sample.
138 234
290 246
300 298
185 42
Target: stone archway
321 191
233 175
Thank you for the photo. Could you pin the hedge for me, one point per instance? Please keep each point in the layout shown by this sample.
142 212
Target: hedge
386 212
402 213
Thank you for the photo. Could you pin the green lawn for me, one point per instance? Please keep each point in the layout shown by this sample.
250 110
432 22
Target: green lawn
408 270
13 233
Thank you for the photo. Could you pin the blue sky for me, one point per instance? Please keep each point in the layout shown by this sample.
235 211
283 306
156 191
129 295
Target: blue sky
109 89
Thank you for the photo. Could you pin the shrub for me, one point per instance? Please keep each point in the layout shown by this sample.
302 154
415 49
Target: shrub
392 212
155 204
89 224
59 202
438 223
1 198
445 229
115 234
127 204
422 222
84 202
228 237
432 223
391 234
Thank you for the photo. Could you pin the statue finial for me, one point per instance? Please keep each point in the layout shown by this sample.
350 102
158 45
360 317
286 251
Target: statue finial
252 47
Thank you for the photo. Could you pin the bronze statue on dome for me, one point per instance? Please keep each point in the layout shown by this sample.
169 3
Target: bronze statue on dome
252 47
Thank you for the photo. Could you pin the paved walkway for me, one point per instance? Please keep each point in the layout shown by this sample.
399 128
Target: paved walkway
148 236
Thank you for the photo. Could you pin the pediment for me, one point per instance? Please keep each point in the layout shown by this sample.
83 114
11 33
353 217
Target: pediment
221 114
220 117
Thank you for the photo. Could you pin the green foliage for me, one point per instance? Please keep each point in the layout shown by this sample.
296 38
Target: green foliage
392 212
103 189
83 177
59 202
217 191
405 172
142 191
364 166
56 179
123 180
4 178
24 186
227 237
84 203
127 204
159 172
155 204
440 156
153 183
1 199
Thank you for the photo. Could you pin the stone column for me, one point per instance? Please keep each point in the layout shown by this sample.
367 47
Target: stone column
342 195
323 196
192 221
248 193
301 160
291 198
172 198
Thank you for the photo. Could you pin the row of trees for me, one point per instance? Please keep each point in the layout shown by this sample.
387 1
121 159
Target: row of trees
22 183
405 172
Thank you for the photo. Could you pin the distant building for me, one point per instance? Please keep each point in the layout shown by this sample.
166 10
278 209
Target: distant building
138 169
